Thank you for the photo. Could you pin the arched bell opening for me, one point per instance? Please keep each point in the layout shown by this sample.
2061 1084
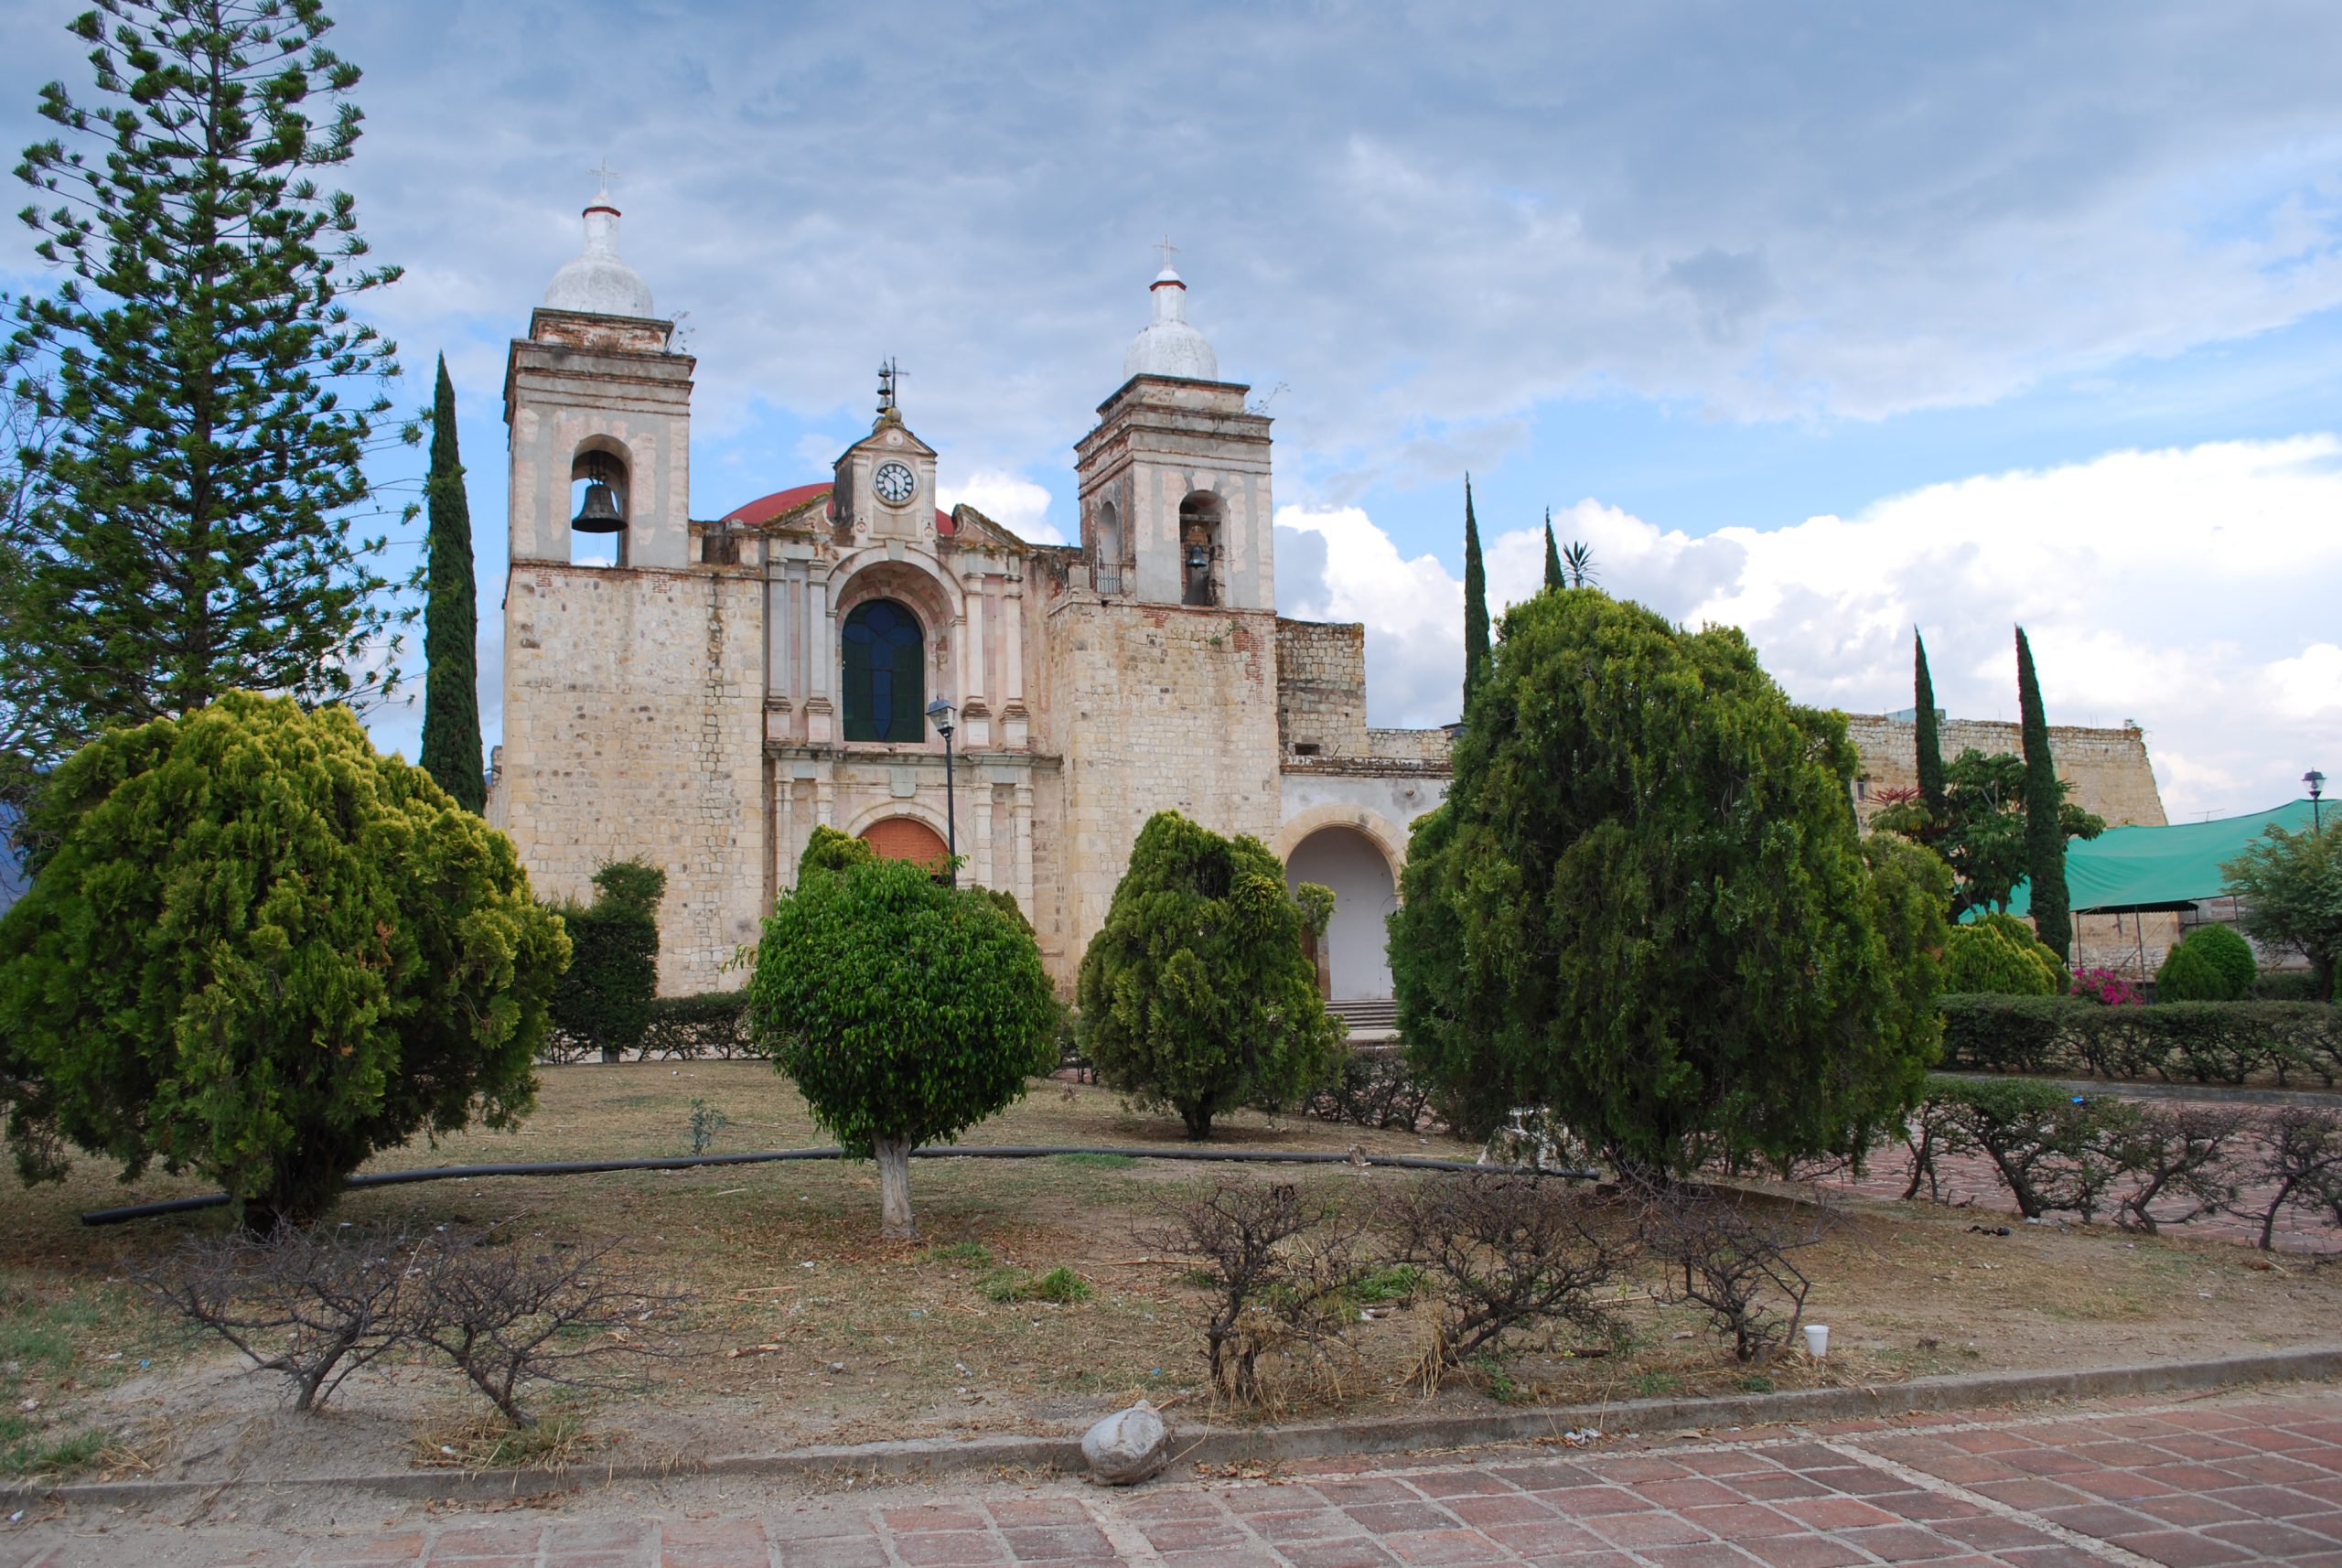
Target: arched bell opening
1353 958
599 497
1106 550
1201 516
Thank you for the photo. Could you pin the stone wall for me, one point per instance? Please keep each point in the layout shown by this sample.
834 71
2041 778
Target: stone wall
2107 768
1155 707
1425 745
1321 687
633 729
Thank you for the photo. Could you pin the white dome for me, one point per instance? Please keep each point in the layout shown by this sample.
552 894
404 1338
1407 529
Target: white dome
597 282
1168 345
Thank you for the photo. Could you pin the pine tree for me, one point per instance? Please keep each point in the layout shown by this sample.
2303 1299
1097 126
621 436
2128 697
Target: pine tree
1928 740
1553 578
1476 603
2045 832
206 462
451 617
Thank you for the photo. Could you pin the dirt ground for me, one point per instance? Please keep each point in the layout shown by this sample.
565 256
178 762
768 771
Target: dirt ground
805 1328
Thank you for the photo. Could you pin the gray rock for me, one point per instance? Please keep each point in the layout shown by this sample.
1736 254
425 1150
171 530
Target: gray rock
1128 1445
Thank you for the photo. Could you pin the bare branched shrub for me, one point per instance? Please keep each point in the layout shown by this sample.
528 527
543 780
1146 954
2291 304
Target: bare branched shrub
1730 1254
1936 1130
314 1304
2298 1165
2178 1154
1282 1267
514 1315
1514 1258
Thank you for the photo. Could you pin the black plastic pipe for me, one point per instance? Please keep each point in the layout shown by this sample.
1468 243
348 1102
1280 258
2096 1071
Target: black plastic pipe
929 1152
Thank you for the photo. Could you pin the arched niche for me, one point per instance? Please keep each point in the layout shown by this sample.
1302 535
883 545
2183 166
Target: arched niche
1354 962
1106 550
1202 525
901 837
602 459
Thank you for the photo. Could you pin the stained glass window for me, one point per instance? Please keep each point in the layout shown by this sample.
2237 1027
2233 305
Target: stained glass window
886 677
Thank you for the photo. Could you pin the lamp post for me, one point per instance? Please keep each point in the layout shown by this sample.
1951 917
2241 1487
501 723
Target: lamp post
2317 782
939 713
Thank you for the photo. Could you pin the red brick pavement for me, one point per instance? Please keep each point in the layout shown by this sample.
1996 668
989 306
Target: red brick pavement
2236 1480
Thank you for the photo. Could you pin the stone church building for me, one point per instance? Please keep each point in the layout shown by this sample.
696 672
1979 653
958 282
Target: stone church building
732 681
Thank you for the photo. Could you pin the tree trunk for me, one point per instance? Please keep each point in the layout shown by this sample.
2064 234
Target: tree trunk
895 1187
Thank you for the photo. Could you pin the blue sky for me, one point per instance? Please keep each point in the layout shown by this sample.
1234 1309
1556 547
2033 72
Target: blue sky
1823 319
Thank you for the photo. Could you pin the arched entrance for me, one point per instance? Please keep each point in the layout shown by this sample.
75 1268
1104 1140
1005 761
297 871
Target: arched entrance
1355 966
904 838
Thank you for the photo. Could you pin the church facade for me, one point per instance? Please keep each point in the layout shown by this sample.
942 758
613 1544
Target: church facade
726 684
729 683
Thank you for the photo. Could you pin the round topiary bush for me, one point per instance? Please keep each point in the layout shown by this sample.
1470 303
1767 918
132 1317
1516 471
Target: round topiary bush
256 948
2211 964
1985 958
905 1010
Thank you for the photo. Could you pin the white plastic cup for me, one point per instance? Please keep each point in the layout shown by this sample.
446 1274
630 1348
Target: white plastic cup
1817 1340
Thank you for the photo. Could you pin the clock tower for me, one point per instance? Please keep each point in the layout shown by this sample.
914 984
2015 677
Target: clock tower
883 486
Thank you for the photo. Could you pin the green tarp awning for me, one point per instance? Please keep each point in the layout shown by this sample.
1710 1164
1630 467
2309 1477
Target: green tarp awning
2125 869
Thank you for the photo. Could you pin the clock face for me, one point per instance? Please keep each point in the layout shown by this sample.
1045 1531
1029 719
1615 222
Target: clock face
896 484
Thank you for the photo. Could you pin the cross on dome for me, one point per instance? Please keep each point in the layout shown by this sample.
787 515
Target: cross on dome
603 173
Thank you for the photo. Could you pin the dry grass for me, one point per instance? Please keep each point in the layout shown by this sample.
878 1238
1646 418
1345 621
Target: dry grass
808 1326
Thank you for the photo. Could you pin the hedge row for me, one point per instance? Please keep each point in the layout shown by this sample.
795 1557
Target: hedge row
2178 1042
711 1024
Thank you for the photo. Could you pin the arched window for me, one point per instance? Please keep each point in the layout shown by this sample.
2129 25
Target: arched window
598 506
1107 572
1199 548
886 673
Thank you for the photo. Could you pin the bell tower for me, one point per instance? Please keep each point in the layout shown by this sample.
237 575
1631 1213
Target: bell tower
1174 481
600 414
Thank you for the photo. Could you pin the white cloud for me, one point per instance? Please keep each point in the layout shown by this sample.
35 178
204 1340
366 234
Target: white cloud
1004 498
2190 590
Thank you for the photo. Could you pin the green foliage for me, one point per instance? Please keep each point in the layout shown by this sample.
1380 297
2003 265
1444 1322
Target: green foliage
1980 831
709 1024
1987 959
2291 885
1927 740
830 850
451 744
1645 906
1060 1285
2178 1042
1476 603
707 1124
903 1009
1553 578
1196 994
261 951
605 998
2045 794
213 403
2211 964
2286 985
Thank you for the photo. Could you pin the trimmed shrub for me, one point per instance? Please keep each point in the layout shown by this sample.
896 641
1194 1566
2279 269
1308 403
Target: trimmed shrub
1983 957
713 1024
905 1010
2211 964
262 951
1375 1088
2286 985
2178 1042
1196 994
604 999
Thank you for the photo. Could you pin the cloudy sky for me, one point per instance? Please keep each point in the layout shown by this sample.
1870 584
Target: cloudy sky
1825 320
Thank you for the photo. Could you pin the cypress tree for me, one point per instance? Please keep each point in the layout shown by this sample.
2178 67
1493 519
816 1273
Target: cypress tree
2044 833
450 617
1928 742
197 361
1553 578
1476 603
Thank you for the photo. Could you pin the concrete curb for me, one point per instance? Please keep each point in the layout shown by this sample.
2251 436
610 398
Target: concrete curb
929 1459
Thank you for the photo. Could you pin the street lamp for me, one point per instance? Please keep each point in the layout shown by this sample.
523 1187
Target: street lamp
939 713
2317 782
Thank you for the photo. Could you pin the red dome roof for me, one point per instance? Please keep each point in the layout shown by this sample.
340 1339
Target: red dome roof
764 508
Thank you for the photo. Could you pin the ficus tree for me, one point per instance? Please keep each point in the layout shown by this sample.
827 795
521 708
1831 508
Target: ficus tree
256 948
1980 828
2290 888
1645 906
905 1010
1198 995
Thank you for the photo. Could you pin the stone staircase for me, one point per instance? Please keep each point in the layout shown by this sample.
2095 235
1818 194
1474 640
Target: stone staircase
1372 1021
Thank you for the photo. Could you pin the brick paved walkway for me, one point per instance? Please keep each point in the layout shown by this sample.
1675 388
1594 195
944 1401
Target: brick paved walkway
2237 1479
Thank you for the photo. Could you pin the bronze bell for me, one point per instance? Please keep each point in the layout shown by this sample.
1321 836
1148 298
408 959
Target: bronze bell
599 514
